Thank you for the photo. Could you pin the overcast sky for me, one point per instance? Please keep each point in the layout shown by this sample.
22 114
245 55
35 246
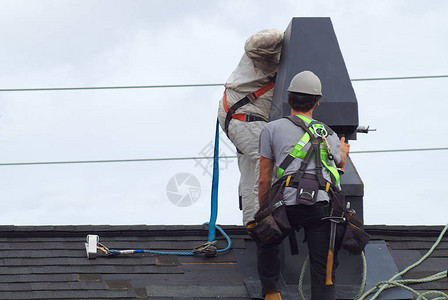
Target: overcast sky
64 43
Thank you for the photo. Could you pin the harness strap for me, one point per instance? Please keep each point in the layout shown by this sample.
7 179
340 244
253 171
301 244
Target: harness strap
310 127
247 99
247 118
303 166
290 182
297 150
319 174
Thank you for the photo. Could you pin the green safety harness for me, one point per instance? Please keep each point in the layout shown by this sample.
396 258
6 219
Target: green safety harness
316 134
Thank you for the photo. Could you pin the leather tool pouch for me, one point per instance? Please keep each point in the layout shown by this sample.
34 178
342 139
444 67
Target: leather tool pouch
355 239
271 224
265 231
337 199
307 190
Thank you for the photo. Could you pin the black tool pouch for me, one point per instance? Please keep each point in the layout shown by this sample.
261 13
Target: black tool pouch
307 189
271 224
264 232
337 199
355 239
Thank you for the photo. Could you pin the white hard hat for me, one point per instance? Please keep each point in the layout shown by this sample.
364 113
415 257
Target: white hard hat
306 82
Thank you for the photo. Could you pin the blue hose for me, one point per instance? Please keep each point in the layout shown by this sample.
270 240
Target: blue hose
229 242
215 182
189 253
213 214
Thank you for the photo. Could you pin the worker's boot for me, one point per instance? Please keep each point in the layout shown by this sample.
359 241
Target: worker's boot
274 295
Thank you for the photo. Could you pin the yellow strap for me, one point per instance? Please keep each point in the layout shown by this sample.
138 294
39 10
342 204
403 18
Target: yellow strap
327 187
287 180
351 224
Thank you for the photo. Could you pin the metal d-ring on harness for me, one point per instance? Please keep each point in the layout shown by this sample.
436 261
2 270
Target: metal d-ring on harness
207 249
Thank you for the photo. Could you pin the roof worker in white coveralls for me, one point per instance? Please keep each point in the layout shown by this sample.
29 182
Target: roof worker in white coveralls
245 106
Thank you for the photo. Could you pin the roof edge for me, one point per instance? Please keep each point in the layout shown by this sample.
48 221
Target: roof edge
178 230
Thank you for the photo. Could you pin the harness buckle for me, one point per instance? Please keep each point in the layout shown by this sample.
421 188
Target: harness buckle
278 204
334 219
252 97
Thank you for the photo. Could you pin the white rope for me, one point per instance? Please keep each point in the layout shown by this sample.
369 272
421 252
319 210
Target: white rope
363 282
393 282
302 275
364 276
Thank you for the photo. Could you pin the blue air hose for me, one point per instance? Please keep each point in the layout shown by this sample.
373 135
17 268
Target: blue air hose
212 223
215 181
189 253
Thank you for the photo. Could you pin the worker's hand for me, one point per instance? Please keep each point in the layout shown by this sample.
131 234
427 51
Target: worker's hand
345 148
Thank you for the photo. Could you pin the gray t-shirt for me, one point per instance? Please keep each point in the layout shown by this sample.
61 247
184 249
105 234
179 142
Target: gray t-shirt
278 138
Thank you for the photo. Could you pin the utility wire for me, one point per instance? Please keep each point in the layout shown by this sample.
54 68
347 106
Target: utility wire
400 78
191 85
109 161
113 87
186 158
398 150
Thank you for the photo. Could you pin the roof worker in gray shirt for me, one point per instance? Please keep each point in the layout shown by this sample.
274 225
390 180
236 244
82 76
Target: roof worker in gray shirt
278 140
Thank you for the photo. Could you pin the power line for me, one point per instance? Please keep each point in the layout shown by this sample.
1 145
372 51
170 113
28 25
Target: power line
401 78
398 150
112 87
108 161
188 158
190 85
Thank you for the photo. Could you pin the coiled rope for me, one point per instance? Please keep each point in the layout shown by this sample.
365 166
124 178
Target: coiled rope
393 282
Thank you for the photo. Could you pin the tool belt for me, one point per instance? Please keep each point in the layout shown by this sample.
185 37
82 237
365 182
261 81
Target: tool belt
354 239
270 224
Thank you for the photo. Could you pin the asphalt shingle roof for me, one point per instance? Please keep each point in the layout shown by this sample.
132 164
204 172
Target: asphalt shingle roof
50 262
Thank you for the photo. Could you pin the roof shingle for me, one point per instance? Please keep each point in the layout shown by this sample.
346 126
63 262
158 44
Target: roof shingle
49 262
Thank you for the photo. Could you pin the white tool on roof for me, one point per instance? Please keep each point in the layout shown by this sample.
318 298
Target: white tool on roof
92 246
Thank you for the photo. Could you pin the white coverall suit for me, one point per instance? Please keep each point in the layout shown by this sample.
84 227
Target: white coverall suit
257 68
